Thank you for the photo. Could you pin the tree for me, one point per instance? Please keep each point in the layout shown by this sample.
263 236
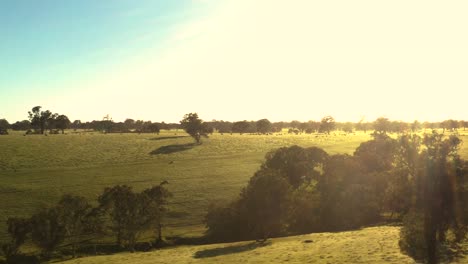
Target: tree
132 213
76 124
382 125
194 126
40 119
157 197
18 229
129 124
264 126
267 202
327 124
296 164
21 125
62 122
4 126
74 214
242 127
47 231
440 176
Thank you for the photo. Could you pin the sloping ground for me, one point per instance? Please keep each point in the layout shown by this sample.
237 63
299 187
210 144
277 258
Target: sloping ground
369 245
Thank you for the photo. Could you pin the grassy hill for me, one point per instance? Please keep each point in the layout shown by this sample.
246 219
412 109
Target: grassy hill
369 245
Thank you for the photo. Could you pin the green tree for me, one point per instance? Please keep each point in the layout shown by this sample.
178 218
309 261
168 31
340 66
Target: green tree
4 126
382 125
242 127
47 231
327 124
132 214
62 122
194 126
267 203
40 119
438 187
157 199
75 213
264 126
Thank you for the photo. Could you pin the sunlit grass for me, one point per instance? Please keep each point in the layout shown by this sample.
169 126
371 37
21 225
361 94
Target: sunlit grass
369 245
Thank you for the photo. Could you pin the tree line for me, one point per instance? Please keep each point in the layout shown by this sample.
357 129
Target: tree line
40 121
418 180
73 221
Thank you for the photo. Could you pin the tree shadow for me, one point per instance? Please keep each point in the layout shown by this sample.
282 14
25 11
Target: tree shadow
163 138
173 148
214 252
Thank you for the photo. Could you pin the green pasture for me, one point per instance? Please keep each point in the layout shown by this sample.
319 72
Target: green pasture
35 170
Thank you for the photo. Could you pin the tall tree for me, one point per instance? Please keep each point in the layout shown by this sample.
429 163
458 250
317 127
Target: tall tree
62 122
47 231
382 125
74 211
327 124
4 126
194 126
40 119
264 126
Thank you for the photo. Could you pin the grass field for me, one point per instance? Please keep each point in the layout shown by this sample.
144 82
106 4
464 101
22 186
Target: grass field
369 245
36 170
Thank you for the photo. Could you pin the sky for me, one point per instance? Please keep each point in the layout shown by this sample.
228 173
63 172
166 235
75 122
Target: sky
235 60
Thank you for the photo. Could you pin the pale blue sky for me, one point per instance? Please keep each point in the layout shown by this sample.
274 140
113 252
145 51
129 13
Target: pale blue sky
235 59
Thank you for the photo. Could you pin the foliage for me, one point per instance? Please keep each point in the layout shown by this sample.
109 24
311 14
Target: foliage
62 122
194 126
327 124
4 126
266 200
132 213
47 230
41 119
264 126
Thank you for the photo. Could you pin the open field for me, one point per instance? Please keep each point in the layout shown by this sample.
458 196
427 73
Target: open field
36 170
369 245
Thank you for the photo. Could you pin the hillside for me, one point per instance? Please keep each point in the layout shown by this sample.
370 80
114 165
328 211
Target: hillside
369 245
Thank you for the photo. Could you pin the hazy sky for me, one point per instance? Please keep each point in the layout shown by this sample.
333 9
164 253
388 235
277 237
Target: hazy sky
235 60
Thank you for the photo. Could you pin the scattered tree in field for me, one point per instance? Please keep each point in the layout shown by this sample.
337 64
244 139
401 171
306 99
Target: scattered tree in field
62 122
47 231
40 119
242 127
264 126
382 125
327 124
347 127
4 126
76 124
194 126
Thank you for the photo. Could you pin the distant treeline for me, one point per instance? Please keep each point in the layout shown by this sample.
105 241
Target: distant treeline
40 121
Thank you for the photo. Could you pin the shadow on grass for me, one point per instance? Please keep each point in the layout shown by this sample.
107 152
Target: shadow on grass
172 148
162 138
214 252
